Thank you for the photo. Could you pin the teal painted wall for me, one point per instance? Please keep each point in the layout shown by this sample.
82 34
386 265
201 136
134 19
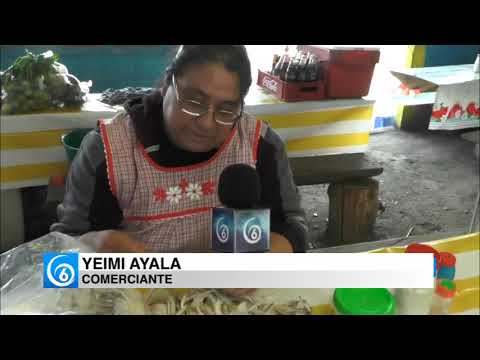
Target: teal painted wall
441 55
108 66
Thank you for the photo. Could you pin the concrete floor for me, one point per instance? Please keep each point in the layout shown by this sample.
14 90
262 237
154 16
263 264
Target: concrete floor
430 181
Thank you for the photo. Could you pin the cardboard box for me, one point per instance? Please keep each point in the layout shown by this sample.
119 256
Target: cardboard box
456 102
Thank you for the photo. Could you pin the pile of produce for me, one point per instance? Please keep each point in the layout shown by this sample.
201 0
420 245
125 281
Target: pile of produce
39 82
120 96
213 302
171 302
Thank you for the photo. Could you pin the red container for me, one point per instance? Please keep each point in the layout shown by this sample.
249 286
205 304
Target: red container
422 248
291 91
350 70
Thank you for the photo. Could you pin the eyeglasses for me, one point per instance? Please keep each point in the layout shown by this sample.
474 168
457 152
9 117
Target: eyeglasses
197 109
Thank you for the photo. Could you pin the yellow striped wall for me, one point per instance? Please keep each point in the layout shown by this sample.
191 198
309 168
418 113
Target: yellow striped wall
330 131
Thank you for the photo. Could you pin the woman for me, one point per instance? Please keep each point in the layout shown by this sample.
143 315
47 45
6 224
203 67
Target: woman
146 179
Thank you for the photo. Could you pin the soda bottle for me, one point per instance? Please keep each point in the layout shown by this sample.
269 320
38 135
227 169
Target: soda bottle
286 62
278 67
302 68
285 66
276 58
282 65
292 71
312 72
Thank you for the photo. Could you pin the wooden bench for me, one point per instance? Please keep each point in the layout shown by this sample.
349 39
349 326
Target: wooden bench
333 169
353 194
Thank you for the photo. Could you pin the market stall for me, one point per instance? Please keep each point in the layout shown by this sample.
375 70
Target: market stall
32 152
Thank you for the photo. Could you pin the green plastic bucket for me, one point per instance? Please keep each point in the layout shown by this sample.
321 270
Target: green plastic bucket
72 141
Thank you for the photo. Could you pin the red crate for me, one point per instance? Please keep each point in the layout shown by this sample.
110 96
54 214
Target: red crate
291 91
349 70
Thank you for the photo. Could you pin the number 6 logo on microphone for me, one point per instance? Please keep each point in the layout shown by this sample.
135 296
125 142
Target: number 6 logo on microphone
222 230
252 233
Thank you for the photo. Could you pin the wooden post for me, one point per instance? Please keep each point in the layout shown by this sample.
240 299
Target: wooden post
353 211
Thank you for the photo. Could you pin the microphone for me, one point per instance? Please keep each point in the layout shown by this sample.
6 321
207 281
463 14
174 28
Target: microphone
240 226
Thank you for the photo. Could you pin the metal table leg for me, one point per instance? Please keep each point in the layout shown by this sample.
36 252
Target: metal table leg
475 210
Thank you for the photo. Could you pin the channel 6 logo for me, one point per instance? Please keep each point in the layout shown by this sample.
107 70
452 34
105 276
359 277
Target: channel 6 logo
60 270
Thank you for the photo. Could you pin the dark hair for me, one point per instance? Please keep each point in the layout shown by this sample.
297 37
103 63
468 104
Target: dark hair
233 57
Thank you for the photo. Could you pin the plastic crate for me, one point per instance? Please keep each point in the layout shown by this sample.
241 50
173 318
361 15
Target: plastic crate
291 91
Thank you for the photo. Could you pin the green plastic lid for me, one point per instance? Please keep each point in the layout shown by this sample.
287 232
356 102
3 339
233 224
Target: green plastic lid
364 302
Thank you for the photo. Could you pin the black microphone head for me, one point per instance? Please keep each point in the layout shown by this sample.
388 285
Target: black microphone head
239 187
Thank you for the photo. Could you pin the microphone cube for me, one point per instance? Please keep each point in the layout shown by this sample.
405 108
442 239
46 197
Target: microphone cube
240 231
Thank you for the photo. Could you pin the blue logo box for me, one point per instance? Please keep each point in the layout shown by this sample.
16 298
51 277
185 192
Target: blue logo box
60 270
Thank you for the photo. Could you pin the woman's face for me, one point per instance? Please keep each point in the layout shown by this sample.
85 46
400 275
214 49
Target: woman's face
210 85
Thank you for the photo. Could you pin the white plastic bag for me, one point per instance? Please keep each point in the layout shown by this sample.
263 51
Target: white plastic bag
21 281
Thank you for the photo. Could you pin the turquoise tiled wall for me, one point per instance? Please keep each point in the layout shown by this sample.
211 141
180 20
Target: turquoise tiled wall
108 66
